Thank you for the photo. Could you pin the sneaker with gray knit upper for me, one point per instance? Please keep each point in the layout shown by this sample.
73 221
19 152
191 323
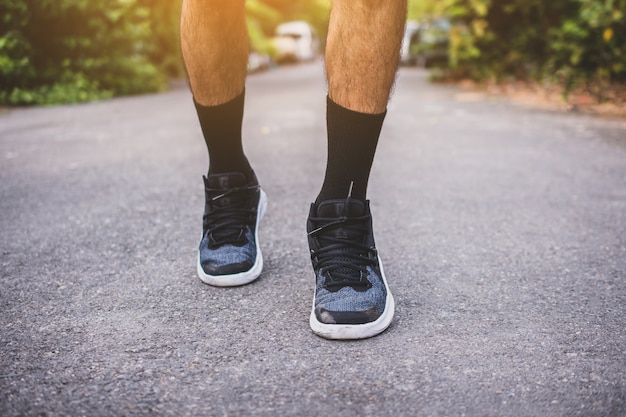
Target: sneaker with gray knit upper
352 299
229 252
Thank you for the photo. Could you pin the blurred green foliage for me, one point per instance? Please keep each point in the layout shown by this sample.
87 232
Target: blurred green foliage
60 51
568 41
54 51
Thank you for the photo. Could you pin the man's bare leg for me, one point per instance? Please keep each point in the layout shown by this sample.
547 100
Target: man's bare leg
352 298
362 52
215 49
214 43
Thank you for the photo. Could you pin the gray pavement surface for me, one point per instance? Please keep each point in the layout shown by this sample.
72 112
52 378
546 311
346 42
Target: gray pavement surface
502 229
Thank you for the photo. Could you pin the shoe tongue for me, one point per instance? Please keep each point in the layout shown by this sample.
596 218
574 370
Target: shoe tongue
226 180
221 183
337 208
351 232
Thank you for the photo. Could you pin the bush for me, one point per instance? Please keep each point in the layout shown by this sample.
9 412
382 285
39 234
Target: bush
164 20
15 51
591 44
569 41
56 51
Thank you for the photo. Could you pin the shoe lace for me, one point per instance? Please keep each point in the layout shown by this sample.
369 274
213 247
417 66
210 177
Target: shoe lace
342 261
228 218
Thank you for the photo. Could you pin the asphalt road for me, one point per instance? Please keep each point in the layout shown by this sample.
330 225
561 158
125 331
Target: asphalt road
502 228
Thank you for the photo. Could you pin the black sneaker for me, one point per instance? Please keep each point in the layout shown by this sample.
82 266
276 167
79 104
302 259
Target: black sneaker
352 299
229 252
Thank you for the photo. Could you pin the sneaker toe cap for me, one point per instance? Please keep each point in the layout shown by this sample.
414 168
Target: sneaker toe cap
347 317
227 269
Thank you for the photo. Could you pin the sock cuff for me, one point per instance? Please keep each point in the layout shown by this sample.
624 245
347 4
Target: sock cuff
232 106
352 115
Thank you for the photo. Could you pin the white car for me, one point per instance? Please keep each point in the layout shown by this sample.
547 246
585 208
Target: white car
296 41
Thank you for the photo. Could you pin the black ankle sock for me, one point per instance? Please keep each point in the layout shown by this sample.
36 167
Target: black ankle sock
352 140
221 126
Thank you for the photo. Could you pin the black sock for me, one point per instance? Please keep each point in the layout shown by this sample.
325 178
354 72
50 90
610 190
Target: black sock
221 126
352 140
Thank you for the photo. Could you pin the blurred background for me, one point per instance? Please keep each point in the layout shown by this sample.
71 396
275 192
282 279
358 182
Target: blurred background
64 51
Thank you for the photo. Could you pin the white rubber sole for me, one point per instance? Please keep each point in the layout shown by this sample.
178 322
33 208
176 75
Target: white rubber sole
245 277
356 331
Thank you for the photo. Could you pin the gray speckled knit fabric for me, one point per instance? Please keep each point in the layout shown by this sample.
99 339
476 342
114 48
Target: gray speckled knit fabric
349 300
228 253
